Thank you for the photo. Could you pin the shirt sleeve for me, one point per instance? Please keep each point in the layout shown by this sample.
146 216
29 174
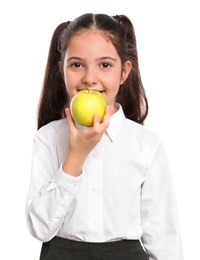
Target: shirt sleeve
51 192
159 215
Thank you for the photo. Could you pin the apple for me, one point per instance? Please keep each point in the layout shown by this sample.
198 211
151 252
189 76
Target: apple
85 104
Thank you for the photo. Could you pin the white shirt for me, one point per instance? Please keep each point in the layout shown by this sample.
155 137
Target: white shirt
125 190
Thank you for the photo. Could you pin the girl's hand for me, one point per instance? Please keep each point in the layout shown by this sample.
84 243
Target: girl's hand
81 142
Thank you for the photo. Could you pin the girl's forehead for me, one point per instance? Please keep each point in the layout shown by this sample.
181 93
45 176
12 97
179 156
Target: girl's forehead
92 33
91 45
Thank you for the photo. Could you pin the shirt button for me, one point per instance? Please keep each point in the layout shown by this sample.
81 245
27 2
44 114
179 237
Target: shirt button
94 155
94 189
95 223
75 185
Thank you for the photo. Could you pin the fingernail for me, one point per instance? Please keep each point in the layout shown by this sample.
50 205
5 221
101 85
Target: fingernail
67 111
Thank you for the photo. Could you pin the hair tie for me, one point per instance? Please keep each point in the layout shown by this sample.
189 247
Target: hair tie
117 17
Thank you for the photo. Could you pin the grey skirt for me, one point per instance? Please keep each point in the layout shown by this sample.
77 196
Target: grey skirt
63 249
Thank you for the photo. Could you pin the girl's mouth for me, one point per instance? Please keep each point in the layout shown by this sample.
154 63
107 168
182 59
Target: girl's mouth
101 91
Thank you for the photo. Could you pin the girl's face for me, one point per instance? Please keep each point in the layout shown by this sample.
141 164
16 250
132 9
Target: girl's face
92 62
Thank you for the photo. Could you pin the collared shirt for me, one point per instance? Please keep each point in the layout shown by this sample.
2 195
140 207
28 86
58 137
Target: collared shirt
125 190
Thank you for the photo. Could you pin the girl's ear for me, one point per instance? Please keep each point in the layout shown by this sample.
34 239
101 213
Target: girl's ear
126 70
60 65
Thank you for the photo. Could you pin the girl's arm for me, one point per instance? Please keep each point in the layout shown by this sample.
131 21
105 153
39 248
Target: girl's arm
81 142
51 191
53 187
161 237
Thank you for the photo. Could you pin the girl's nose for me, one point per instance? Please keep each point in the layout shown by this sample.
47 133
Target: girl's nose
89 78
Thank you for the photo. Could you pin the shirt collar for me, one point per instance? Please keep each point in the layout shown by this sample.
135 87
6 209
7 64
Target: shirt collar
117 122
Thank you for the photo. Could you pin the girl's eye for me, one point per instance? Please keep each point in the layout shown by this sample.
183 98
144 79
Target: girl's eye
76 65
105 65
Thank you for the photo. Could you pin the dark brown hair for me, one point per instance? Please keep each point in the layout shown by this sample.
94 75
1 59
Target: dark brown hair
54 97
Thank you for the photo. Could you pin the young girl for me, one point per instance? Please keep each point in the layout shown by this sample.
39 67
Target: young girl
106 191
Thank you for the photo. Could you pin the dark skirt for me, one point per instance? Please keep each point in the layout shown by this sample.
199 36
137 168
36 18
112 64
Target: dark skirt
63 249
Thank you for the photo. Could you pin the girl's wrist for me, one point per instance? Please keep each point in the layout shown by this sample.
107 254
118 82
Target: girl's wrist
73 164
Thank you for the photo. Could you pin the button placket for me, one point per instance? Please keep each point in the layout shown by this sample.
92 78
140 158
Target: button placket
94 188
95 193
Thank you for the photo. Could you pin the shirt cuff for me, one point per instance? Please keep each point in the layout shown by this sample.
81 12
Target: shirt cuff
67 181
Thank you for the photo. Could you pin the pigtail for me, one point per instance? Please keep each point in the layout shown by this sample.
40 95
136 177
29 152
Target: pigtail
132 94
54 95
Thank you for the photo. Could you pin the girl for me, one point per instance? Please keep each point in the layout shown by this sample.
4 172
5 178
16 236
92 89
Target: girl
103 192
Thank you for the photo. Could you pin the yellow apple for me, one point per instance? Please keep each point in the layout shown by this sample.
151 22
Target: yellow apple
85 104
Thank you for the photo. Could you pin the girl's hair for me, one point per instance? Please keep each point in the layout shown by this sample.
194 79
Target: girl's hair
54 97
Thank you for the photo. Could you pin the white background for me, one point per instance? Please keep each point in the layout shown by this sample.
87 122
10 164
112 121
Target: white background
168 46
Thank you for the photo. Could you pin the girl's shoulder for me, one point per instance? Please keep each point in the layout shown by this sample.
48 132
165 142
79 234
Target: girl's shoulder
57 127
142 130
144 137
147 142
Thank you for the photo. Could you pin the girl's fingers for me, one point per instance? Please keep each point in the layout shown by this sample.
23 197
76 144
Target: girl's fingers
69 118
106 120
97 125
96 121
107 116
